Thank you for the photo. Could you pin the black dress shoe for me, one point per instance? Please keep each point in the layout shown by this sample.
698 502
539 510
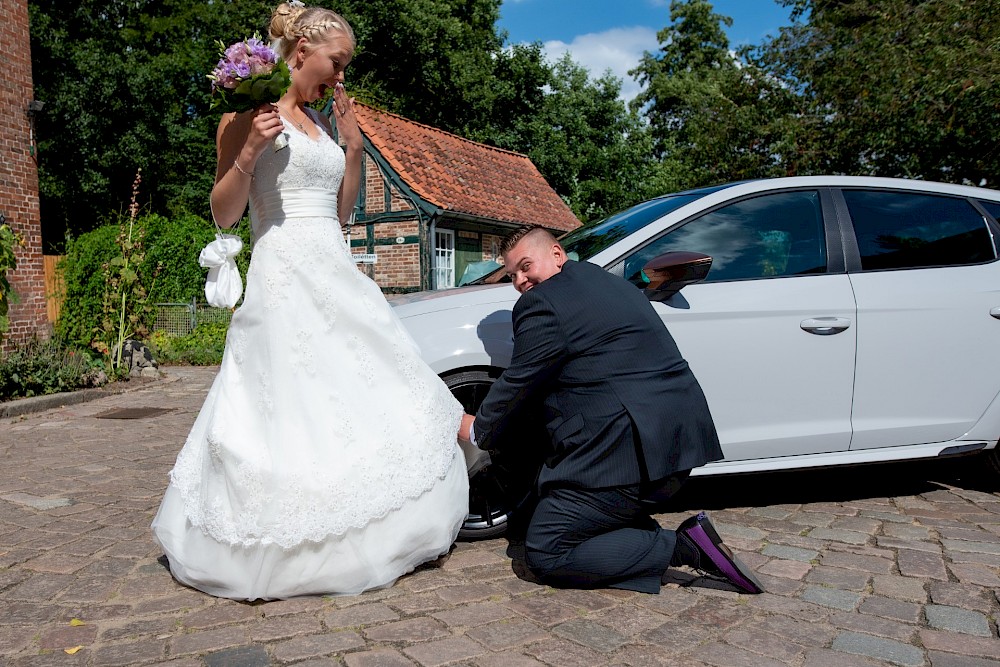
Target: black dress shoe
714 557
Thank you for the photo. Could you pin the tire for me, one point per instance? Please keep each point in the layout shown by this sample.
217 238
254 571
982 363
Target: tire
993 461
496 489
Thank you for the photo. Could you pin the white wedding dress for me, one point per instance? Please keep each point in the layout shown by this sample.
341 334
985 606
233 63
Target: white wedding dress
324 459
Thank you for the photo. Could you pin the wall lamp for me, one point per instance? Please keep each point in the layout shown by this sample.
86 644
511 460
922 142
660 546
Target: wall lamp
34 107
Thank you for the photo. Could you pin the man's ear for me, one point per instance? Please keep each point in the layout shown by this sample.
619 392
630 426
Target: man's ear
559 255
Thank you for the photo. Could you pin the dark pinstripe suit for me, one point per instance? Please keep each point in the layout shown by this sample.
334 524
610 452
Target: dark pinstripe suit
626 419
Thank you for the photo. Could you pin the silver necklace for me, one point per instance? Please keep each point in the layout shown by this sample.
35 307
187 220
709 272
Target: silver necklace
295 122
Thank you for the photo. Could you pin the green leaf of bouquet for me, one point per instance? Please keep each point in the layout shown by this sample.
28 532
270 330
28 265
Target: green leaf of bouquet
260 89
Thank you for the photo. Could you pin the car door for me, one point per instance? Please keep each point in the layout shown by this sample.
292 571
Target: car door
770 333
926 278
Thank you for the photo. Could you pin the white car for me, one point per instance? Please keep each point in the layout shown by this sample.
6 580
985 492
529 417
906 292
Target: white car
843 320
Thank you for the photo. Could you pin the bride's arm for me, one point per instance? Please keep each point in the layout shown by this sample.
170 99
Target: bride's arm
239 141
348 130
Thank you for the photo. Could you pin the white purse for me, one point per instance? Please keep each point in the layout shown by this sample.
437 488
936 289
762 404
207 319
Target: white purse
224 285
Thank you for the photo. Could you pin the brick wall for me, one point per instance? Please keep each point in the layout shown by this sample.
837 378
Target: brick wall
398 263
398 266
19 173
374 188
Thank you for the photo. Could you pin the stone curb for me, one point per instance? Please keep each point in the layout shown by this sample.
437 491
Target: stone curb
33 404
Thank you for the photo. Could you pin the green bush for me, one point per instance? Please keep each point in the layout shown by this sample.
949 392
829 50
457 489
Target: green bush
9 240
83 284
201 347
171 248
174 244
37 367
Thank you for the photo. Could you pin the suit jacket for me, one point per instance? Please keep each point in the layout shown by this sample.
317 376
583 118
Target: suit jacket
620 404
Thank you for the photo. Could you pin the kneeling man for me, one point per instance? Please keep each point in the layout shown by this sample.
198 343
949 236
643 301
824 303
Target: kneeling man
626 419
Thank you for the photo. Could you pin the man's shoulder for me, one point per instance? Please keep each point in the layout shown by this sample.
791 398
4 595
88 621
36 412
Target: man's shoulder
573 270
585 273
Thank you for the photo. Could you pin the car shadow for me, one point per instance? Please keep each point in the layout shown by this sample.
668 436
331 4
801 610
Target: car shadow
834 485
802 487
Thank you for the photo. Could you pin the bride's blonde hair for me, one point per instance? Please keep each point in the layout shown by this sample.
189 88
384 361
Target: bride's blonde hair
291 22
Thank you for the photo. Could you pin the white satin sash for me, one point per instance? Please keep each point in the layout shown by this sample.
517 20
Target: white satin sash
279 205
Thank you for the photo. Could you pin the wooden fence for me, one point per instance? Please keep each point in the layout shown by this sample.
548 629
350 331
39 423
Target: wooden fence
53 287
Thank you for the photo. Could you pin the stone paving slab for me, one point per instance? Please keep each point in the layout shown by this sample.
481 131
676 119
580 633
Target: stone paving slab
879 566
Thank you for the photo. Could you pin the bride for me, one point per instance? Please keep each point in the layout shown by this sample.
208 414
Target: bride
324 459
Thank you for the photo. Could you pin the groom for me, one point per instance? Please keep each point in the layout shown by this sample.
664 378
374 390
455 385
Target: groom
626 419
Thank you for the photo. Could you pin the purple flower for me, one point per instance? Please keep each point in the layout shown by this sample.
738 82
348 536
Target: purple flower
248 73
242 60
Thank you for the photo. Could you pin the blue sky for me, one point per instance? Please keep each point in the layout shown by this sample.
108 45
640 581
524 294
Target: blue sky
612 34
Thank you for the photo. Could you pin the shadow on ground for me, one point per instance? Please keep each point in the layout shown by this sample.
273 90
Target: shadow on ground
836 485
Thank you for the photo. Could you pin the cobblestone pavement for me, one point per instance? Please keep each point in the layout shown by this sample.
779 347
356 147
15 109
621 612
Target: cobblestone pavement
886 565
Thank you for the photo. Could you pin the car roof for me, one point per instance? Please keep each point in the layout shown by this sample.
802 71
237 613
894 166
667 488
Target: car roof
764 184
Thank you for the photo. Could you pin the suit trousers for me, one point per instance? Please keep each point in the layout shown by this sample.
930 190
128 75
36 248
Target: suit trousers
595 538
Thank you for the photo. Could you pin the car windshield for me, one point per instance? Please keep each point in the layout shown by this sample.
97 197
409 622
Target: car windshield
584 242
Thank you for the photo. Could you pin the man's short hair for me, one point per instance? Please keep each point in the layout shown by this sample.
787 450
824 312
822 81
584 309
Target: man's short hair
512 239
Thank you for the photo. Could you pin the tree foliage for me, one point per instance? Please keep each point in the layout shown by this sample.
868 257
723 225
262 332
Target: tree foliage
124 88
592 149
713 117
906 88
888 87
429 60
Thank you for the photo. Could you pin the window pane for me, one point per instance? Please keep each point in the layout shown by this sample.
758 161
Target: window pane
898 230
993 208
444 259
764 237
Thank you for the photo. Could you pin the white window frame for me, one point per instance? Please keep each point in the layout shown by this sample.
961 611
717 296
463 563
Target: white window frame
444 258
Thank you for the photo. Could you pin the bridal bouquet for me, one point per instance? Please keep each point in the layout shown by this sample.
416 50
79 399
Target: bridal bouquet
249 73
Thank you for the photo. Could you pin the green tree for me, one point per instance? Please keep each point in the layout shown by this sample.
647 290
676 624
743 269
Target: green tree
124 88
713 116
895 87
429 60
592 150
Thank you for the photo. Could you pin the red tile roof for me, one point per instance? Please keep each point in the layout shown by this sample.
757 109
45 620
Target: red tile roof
463 176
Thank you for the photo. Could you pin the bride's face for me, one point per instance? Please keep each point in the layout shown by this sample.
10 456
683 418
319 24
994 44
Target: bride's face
321 67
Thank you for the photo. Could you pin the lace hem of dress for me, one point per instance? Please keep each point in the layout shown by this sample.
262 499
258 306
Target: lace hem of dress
368 493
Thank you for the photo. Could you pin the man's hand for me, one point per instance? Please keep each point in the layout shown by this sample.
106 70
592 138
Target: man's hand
465 430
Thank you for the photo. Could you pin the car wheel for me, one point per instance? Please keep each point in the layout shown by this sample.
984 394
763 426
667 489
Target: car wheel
495 490
993 461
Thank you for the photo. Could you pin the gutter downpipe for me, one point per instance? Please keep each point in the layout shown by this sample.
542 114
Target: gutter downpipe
432 252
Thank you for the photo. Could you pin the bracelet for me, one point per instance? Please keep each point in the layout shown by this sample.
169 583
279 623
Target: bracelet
236 163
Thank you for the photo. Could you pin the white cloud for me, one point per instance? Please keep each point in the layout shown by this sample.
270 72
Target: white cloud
618 50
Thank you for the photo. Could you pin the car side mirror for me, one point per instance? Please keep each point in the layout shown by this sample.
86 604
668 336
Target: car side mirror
670 272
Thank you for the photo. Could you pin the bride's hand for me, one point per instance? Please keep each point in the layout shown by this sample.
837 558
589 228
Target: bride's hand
343 114
266 125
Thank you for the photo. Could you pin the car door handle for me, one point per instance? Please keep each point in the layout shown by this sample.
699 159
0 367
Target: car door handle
995 312
825 326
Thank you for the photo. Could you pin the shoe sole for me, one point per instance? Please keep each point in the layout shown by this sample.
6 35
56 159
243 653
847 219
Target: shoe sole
703 534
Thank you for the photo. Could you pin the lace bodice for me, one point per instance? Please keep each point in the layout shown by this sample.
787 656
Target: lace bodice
310 170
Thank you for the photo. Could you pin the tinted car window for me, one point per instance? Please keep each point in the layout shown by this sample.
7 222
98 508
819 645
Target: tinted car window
901 230
764 237
993 208
587 241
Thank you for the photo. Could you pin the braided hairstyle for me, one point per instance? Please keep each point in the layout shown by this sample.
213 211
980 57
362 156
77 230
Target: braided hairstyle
289 23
